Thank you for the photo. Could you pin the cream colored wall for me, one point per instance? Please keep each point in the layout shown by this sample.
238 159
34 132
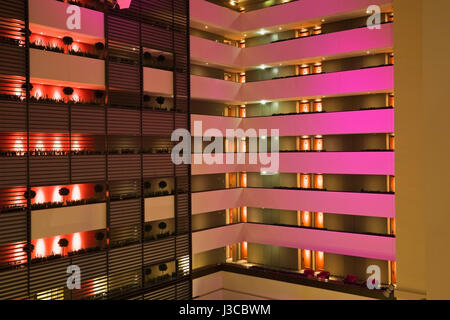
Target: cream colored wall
65 68
159 82
422 74
66 220
409 156
436 79
159 208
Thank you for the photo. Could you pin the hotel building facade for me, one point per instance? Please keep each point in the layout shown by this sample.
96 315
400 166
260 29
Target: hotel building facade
91 91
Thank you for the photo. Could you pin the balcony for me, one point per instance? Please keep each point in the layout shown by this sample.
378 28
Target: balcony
352 203
370 163
376 79
233 24
204 88
223 281
352 244
351 122
57 69
295 51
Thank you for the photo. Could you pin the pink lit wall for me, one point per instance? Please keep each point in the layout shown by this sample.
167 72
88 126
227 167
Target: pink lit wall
352 244
306 11
213 15
217 237
53 16
351 203
295 50
215 89
350 122
215 52
326 45
379 79
374 163
216 200
364 204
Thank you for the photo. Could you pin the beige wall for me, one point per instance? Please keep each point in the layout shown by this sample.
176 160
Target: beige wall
67 69
53 222
159 208
422 74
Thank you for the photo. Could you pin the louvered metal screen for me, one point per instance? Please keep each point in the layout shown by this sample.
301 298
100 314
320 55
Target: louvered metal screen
117 144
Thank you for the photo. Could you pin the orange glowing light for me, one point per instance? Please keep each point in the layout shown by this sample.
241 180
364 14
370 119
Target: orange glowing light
56 249
56 196
40 248
76 193
40 197
76 242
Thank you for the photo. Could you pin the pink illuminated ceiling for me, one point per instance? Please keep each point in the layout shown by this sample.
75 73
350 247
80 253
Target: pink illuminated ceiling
335 45
296 14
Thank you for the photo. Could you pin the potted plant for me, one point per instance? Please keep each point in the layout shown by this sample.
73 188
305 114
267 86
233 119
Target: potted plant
160 101
67 41
147 56
98 189
99 47
63 192
63 243
98 95
161 58
148 228
162 267
162 184
147 99
27 85
162 226
29 194
28 248
68 91
99 236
